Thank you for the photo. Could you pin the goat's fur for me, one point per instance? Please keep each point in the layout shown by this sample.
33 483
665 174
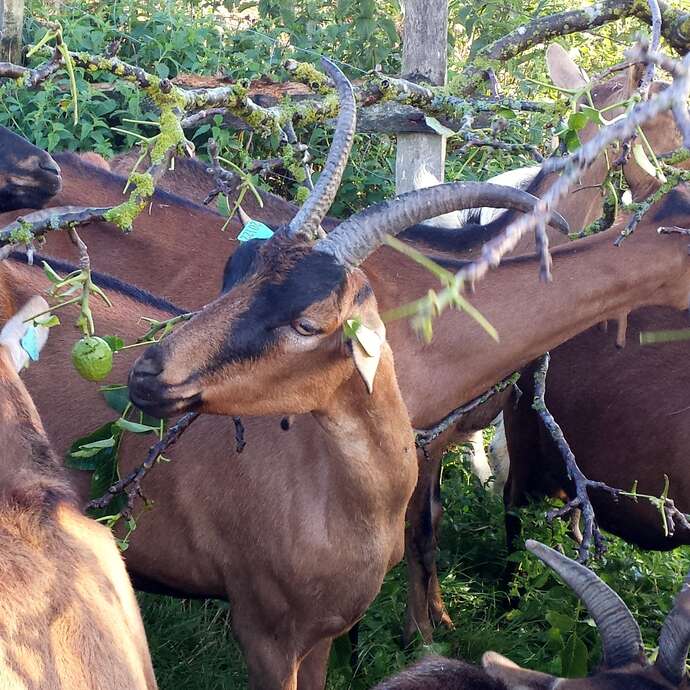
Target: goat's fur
68 616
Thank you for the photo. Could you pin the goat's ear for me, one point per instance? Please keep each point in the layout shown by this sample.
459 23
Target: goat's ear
512 676
23 340
563 70
368 334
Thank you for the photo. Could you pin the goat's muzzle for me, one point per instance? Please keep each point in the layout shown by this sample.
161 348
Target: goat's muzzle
51 175
151 394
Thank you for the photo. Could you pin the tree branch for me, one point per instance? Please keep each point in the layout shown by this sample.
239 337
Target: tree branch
131 484
675 27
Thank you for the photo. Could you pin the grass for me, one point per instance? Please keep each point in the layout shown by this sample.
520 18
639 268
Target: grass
192 645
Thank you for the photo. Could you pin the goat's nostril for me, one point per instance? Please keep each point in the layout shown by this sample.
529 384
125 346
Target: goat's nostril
50 166
151 364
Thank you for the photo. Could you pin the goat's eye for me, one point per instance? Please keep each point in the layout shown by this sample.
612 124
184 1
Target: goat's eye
304 327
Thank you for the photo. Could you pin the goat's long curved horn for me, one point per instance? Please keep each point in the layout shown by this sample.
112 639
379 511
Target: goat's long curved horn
674 640
309 217
620 634
357 237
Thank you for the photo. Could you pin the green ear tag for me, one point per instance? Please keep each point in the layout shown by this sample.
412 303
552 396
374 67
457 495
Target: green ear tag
255 230
29 343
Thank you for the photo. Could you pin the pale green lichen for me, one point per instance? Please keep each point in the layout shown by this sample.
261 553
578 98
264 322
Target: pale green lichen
23 234
171 135
308 74
125 213
301 195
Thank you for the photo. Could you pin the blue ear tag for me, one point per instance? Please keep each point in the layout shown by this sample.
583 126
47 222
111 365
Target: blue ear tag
255 230
29 343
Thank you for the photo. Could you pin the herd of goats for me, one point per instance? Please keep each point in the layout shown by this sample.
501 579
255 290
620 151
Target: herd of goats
299 530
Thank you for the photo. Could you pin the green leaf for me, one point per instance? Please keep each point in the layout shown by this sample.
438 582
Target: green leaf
561 621
571 139
593 115
577 121
641 159
507 113
574 658
78 459
222 205
117 397
135 428
47 322
350 328
115 342
105 443
105 475
52 276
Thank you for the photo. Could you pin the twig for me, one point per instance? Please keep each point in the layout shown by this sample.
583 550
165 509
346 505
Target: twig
131 484
423 437
670 515
166 326
582 484
648 77
674 176
542 29
226 182
672 230
542 244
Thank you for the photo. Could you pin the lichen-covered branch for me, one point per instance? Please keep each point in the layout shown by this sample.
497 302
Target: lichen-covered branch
25 229
675 27
674 176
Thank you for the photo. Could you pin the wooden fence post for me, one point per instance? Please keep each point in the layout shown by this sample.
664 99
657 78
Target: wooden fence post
11 22
421 157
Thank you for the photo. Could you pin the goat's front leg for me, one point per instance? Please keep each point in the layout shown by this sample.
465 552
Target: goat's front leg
437 609
312 670
272 663
423 516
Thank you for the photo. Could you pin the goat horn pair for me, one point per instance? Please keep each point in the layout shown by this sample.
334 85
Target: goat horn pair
620 634
357 237
307 221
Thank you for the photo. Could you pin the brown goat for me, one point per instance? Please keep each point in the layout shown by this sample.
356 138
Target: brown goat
29 177
580 207
636 401
69 615
159 261
625 666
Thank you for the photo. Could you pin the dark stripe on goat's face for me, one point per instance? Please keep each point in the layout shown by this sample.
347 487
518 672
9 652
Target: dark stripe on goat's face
278 301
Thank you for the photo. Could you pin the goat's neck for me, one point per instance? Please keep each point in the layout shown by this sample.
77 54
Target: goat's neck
371 441
593 281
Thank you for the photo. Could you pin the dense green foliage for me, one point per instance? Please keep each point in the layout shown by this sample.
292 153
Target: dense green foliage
243 39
